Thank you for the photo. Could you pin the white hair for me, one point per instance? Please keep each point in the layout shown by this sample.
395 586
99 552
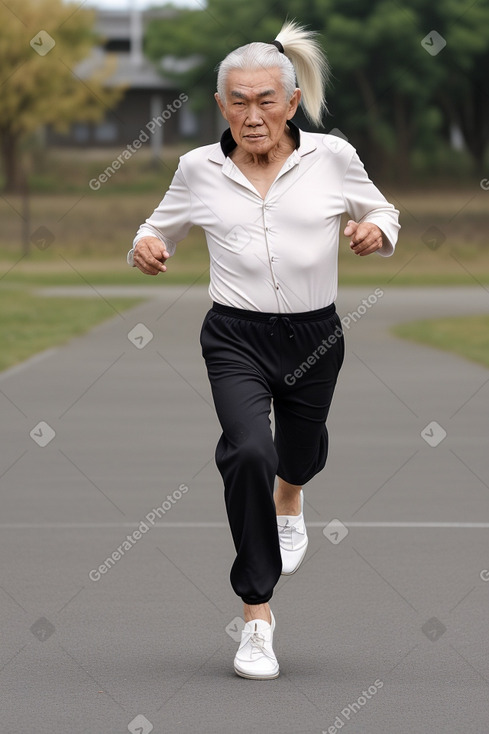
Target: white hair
303 58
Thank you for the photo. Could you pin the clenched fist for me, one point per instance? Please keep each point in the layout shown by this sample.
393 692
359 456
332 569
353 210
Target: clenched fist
366 237
150 255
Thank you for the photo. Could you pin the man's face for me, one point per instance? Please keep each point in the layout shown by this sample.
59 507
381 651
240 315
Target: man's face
256 108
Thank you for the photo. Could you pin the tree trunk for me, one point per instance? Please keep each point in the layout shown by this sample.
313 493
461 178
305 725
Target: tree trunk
26 216
403 172
376 158
11 164
475 126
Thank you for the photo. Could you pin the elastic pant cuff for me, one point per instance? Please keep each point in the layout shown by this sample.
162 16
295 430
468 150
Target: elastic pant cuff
264 600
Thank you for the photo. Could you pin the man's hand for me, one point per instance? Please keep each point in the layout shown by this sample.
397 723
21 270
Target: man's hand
366 237
150 255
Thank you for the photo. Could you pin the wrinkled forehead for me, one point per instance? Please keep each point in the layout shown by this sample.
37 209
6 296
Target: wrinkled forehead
254 83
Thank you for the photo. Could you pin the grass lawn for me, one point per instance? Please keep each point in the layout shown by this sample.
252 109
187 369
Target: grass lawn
31 323
467 336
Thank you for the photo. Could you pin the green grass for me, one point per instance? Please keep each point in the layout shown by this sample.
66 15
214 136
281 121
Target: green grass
467 336
32 323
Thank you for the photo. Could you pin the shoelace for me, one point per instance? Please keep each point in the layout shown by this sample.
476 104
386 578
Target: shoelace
286 533
256 639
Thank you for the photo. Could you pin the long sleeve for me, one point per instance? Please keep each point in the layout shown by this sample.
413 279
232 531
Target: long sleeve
365 203
277 253
172 218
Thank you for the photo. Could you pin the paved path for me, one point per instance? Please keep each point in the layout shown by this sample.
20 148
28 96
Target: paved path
384 629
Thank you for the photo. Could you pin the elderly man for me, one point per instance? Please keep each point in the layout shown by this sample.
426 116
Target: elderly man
269 198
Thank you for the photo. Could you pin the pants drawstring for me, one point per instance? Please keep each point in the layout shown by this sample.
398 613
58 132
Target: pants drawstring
272 321
289 325
287 322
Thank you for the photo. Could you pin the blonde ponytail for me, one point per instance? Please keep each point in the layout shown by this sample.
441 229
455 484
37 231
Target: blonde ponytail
310 64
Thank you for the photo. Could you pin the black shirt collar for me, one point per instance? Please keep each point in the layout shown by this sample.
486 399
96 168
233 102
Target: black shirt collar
228 143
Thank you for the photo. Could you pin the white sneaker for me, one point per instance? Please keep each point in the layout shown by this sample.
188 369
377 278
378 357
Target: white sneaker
292 536
255 658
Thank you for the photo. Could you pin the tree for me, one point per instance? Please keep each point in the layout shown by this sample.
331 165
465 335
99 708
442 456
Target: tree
389 94
463 92
41 41
420 70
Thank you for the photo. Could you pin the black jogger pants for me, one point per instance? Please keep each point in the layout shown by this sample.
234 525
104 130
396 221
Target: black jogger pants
254 359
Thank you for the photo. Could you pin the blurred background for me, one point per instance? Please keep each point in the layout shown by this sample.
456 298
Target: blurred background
99 99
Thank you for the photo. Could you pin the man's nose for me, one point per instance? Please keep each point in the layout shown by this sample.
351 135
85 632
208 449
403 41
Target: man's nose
254 116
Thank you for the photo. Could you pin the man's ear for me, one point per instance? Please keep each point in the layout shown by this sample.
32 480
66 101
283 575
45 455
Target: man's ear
221 106
294 103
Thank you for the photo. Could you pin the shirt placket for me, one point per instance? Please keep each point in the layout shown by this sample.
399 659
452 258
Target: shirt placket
267 228
268 210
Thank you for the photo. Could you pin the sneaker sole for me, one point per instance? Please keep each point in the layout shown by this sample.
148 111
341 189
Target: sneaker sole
249 676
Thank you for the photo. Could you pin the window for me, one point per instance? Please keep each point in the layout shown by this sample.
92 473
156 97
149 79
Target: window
81 133
106 132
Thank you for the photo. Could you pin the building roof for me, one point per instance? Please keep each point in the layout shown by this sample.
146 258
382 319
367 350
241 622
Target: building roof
113 24
142 75
130 67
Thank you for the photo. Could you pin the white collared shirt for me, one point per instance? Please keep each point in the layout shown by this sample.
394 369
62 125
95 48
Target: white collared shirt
278 254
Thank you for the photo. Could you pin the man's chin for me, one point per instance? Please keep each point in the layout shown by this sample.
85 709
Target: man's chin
259 145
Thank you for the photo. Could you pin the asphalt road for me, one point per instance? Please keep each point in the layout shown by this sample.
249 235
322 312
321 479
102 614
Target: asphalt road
107 451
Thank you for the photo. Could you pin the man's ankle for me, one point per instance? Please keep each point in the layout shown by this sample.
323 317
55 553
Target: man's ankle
257 611
287 504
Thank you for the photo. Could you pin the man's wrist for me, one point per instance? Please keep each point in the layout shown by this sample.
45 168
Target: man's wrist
130 254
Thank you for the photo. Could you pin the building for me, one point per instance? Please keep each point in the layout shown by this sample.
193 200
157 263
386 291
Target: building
148 93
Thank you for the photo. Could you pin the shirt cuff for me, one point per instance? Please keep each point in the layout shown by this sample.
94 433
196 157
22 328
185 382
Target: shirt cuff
389 231
387 248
